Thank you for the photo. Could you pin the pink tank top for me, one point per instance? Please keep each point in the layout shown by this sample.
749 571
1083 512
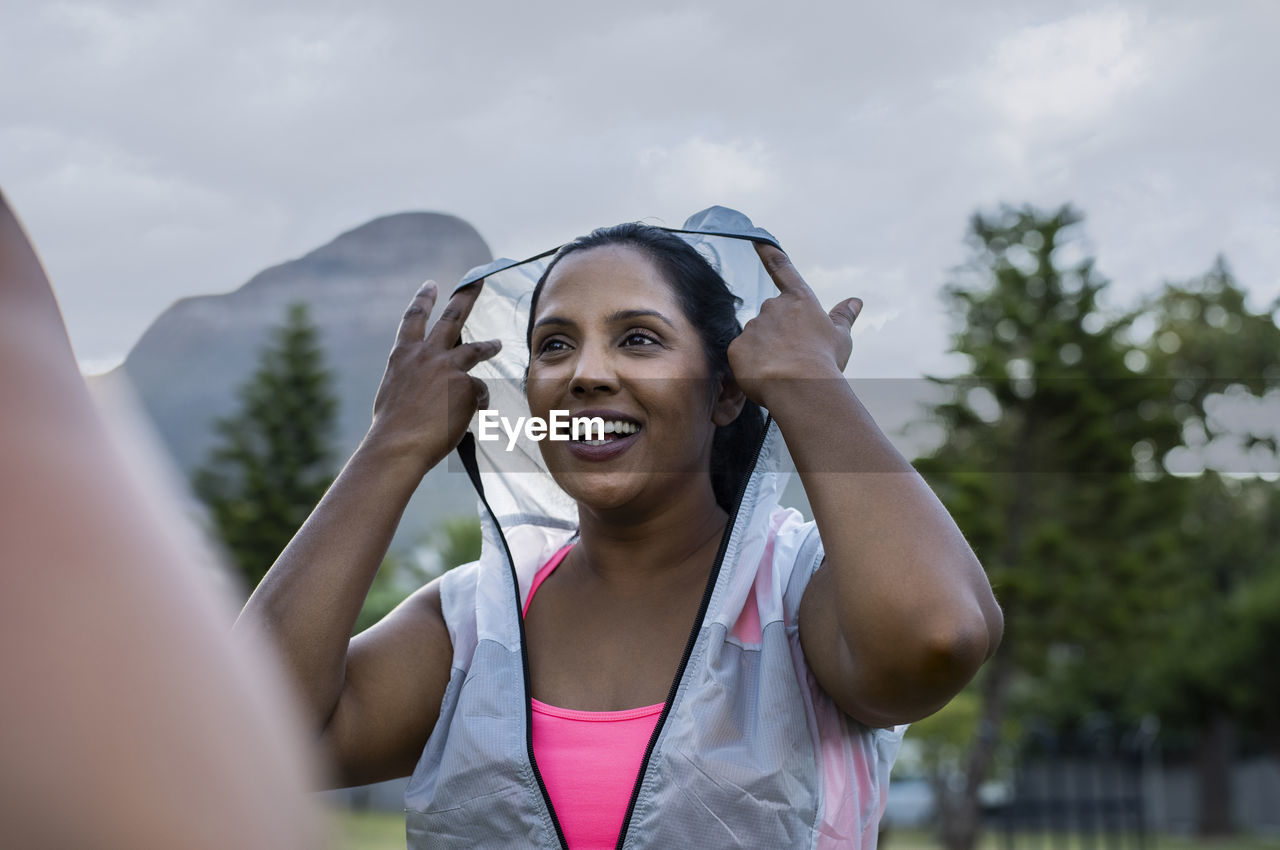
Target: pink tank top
588 759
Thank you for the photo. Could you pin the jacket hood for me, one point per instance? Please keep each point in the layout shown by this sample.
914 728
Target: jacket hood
746 734
514 480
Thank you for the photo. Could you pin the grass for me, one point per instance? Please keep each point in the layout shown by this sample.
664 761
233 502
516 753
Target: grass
368 830
385 831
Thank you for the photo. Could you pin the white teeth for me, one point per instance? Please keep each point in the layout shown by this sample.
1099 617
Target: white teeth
616 427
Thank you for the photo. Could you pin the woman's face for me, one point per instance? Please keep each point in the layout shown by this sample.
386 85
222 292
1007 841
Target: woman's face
610 339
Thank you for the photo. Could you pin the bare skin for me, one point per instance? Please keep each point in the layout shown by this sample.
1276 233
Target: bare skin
128 717
606 629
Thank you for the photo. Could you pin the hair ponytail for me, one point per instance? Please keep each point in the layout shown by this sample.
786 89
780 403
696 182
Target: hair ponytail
733 453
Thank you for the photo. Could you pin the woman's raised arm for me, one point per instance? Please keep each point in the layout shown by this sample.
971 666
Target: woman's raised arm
900 615
373 699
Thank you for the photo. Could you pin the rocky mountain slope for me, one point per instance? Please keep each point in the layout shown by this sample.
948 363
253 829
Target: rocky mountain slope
187 365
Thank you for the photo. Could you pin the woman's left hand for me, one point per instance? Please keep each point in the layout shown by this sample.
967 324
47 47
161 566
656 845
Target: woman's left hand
793 337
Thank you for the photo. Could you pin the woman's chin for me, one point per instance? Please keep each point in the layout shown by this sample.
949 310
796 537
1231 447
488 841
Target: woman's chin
643 492
602 491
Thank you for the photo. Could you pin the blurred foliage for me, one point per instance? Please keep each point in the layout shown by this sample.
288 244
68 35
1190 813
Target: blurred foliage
1115 577
942 741
1213 651
458 541
274 457
944 738
1037 462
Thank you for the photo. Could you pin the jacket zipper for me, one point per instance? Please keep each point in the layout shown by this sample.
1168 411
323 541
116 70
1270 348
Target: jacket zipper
688 647
468 449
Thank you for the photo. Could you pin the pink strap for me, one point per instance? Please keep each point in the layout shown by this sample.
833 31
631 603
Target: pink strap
543 572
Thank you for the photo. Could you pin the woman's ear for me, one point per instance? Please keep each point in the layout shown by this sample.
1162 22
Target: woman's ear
729 402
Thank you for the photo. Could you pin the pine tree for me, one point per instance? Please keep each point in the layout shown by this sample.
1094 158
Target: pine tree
1038 469
274 459
1115 577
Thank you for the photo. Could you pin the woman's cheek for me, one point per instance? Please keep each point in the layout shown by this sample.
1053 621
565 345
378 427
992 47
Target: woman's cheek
541 392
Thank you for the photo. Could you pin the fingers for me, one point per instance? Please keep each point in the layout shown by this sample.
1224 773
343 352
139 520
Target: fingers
779 267
846 313
482 393
468 354
413 325
449 325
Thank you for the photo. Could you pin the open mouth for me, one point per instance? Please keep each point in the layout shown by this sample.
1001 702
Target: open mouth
619 435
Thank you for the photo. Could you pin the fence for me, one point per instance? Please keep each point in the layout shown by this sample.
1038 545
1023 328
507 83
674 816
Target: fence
1088 789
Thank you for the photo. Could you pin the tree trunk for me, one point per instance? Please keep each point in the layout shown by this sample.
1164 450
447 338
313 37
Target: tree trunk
1215 753
959 808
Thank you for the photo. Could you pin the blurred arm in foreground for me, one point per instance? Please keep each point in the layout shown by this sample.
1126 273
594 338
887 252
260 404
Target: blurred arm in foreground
129 717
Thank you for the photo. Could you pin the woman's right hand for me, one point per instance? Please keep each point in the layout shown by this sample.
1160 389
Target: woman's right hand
426 398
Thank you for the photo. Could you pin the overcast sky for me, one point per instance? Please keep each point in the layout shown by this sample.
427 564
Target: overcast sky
162 149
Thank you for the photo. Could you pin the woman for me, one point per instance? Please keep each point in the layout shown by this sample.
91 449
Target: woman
700 666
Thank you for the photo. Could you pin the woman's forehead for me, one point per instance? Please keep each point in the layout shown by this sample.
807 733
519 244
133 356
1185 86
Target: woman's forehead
590 277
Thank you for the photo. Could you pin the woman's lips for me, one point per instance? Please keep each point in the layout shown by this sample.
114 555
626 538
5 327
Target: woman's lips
605 451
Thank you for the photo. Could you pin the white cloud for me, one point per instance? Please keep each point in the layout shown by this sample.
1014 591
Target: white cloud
888 302
734 173
1074 70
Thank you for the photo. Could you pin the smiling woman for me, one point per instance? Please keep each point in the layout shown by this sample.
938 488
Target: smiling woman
650 651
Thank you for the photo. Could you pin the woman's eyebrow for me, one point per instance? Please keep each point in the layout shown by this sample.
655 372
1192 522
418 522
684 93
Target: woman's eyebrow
552 320
624 315
620 316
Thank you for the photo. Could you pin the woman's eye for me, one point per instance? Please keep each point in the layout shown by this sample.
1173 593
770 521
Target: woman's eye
551 346
637 338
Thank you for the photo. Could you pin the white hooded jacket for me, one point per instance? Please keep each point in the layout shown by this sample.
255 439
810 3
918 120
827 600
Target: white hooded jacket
749 750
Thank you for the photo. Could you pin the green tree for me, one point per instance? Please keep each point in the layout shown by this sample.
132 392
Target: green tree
1037 468
459 541
1206 671
1206 668
456 539
274 457
1116 577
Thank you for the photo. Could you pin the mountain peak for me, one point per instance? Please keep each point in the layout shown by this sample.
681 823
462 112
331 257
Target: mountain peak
188 363
386 245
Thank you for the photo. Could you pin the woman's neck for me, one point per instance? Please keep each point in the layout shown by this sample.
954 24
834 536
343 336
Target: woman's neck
640 551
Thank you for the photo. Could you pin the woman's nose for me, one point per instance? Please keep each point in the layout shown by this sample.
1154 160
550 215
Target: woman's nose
593 372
